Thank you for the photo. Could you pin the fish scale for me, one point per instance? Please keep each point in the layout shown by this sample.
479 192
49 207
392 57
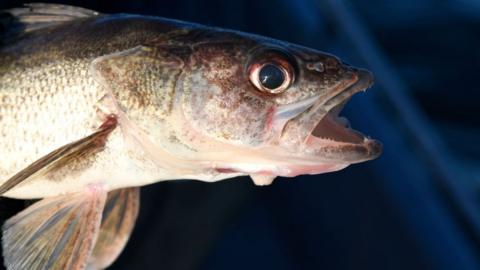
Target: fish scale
58 110
61 107
93 106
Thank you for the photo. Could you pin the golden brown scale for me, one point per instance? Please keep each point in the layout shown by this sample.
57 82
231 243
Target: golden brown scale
67 159
48 95
145 81
36 130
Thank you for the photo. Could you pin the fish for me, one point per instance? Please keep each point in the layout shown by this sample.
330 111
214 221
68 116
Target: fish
93 106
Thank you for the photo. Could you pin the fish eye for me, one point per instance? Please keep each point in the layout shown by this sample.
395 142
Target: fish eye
271 77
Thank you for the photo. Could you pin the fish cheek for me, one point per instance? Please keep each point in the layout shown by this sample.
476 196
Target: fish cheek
233 115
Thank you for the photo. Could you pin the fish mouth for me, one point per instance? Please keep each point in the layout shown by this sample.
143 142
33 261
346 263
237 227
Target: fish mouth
333 139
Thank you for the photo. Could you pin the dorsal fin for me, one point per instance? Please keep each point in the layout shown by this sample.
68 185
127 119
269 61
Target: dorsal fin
34 16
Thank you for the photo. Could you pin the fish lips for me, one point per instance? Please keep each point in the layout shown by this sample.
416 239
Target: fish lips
328 138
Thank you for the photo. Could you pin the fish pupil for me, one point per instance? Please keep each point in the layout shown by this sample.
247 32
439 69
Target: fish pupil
271 76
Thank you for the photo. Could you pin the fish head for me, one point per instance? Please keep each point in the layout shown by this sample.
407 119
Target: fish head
262 107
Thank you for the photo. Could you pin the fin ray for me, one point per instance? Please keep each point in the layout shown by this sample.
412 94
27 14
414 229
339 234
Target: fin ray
54 233
35 16
119 216
61 156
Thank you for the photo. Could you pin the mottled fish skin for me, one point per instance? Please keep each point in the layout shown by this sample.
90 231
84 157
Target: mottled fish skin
184 95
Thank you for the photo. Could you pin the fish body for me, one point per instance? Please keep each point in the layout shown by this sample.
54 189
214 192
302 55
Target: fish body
49 98
92 106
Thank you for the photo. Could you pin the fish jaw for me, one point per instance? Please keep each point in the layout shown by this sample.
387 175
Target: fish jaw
316 140
321 134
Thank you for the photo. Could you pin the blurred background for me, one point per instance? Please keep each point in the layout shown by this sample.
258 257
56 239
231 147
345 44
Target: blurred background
416 207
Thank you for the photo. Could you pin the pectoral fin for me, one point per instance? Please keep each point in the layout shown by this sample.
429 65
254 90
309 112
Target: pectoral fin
119 216
54 233
63 155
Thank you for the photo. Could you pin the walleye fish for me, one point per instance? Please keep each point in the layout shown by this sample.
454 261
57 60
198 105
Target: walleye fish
93 105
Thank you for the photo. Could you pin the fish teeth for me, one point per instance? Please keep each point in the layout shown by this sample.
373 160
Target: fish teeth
343 121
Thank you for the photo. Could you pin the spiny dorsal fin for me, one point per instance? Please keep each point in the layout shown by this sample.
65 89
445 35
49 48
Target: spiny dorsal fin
63 155
34 16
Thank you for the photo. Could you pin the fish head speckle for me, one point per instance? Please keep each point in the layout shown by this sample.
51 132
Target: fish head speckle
223 94
254 105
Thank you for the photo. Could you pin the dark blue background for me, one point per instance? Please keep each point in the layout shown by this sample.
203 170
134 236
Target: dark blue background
416 207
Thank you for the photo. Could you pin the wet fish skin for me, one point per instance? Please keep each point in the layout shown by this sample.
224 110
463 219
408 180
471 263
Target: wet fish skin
92 106
49 94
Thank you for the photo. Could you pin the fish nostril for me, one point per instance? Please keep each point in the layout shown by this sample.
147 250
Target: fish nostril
317 66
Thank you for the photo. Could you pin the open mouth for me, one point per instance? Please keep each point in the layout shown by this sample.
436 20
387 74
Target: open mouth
333 138
337 128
